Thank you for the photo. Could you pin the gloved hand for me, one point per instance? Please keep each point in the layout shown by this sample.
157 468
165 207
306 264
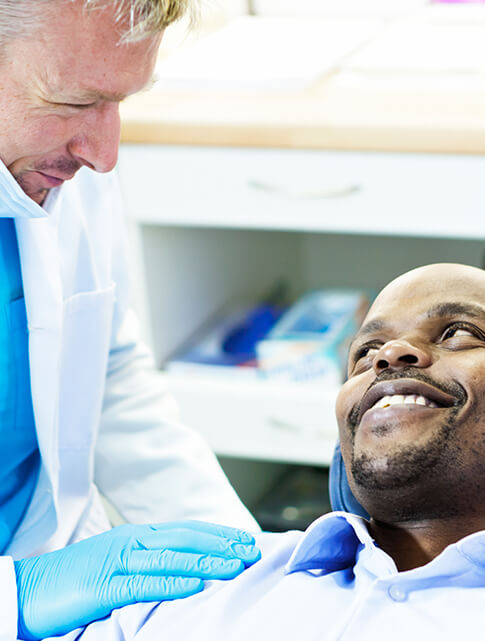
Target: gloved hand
71 587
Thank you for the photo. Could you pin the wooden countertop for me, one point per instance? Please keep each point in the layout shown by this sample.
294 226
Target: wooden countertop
370 114
372 111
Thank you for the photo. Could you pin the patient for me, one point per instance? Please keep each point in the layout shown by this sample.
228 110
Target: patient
412 428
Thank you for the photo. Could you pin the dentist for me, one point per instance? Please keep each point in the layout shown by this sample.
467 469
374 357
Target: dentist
81 406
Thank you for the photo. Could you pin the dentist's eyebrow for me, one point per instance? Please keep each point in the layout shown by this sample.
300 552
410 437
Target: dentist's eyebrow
95 94
456 309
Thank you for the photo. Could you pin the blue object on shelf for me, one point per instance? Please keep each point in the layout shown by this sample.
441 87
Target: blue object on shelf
242 339
228 341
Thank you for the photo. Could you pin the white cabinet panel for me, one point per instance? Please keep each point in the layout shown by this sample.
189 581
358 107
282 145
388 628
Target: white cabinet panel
260 420
345 192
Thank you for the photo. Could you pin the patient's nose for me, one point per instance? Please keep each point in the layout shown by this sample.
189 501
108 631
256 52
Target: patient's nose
400 353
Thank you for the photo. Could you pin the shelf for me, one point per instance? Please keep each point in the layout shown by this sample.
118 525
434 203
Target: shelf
259 419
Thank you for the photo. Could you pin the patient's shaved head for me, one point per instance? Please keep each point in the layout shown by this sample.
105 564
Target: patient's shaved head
412 412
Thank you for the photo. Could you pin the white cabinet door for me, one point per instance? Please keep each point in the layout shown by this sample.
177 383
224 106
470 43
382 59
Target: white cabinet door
354 192
260 420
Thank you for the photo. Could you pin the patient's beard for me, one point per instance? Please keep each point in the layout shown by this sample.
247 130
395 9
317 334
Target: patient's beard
407 464
395 488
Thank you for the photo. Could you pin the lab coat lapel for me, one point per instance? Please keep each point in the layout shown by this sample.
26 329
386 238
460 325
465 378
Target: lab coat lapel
39 258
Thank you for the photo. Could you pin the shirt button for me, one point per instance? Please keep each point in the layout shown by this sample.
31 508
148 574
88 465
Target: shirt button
396 593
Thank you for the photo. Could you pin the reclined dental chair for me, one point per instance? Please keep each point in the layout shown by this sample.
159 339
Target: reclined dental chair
341 497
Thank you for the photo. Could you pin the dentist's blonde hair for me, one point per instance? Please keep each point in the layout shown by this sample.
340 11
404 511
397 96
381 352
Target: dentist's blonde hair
19 18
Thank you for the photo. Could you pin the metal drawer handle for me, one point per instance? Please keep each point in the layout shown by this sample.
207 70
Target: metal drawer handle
337 191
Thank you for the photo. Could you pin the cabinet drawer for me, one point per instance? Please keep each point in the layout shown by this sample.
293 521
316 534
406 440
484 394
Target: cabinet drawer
329 191
259 420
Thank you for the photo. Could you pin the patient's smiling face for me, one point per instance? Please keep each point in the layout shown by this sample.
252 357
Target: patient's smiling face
412 412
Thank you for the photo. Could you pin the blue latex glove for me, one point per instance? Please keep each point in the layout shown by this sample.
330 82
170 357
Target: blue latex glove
71 587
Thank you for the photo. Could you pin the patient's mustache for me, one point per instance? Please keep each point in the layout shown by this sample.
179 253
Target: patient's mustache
414 373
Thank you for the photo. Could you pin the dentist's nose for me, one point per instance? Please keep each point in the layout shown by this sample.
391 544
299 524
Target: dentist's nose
97 147
400 353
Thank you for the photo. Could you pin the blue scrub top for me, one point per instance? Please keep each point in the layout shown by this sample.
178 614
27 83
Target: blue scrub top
19 452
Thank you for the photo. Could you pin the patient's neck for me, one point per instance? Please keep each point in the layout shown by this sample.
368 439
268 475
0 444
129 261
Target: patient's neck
415 543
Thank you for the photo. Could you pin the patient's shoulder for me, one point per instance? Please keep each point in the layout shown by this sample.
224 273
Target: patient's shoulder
277 547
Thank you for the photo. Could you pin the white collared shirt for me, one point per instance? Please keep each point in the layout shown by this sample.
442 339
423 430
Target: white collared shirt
332 582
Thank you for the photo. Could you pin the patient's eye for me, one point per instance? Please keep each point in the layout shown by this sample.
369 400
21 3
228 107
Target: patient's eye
363 356
363 351
462 330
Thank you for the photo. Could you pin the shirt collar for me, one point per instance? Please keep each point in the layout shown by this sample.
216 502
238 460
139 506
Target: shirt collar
330 543
14 203
333 542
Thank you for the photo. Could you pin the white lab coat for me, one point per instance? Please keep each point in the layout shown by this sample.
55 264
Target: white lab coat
102 414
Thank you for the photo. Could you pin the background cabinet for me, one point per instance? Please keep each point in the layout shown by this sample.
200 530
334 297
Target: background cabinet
215 225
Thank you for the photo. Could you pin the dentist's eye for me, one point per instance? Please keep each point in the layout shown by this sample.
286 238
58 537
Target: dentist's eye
75 106
79 105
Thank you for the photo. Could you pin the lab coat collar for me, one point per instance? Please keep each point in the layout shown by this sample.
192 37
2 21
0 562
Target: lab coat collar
14 203
330 544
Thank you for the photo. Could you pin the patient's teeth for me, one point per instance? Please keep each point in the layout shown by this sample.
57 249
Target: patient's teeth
381 402
401 399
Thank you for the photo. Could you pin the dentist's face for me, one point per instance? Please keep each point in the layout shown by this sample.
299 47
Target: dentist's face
412 412
60 90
